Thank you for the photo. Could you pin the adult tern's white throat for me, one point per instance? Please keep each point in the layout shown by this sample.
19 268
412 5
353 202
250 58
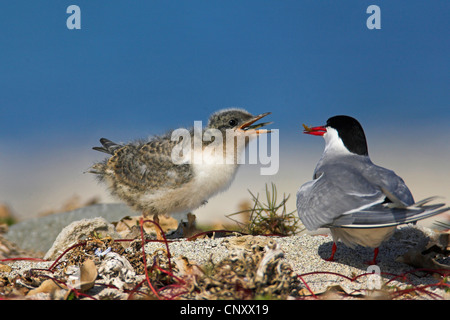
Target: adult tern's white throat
359 201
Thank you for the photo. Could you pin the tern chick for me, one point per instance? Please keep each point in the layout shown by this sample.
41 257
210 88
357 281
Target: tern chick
145 176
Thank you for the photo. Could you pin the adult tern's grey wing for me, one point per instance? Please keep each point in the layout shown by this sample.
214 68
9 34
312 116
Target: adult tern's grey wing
339 190
390 183
380 216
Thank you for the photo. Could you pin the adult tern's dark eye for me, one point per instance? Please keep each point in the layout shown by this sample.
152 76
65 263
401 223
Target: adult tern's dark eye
232 122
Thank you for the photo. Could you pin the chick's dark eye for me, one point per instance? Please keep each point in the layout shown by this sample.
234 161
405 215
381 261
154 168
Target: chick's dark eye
232 122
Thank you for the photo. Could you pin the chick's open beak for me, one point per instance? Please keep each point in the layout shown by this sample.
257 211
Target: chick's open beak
249 127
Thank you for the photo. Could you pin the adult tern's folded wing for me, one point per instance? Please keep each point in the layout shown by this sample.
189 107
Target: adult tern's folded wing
321 201
380 216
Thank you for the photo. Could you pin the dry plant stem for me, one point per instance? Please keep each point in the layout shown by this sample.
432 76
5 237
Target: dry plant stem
144 258
396 294
82 243
141 222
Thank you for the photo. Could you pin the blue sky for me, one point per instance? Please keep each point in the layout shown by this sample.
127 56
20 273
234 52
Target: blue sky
138 68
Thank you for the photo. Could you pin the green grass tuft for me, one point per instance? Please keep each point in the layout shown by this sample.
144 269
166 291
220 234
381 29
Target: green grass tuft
270 217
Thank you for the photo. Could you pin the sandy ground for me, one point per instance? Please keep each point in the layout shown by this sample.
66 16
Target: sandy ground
347 277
